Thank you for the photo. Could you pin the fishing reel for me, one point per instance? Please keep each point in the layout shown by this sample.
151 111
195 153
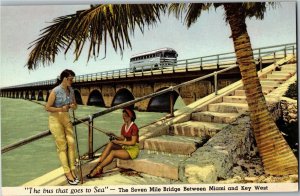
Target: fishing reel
112 137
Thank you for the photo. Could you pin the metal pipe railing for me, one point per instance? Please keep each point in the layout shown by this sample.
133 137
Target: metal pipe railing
25 141
185 62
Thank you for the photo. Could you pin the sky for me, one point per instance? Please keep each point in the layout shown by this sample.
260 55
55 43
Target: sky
21 24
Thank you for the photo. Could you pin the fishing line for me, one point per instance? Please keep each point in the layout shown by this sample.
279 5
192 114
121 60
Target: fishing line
110 135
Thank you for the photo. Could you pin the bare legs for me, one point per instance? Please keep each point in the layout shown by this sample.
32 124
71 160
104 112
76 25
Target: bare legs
110 152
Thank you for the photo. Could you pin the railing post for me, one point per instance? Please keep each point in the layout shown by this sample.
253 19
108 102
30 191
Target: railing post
186 65
260 64
218 62
285 52
90 153
201 67
126 73
216 82
171 104
274 59
151 70
293 50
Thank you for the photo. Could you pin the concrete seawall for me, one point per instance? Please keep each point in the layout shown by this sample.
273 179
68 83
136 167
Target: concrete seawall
216 158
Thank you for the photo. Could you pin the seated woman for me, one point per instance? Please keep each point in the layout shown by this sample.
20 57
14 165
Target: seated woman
123 147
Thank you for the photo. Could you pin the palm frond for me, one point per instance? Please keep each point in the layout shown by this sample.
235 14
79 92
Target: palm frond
95 25
192 11
178 9
254 9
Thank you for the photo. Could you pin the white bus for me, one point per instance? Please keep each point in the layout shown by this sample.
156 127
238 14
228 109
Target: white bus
155 59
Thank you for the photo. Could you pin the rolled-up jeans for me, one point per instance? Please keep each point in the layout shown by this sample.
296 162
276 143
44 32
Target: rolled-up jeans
61 128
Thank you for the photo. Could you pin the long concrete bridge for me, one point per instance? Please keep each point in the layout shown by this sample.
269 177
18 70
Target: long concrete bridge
107 89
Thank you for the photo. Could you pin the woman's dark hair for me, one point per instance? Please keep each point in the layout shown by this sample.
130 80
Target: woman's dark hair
130 113
65 73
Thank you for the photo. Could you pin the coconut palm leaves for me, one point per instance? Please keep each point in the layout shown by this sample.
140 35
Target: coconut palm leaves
97 25
192 11
116 23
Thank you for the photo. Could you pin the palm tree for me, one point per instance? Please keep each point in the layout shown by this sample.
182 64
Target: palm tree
118 22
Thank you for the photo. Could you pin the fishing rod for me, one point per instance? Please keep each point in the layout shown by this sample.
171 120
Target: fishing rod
37 102
77 147
110 135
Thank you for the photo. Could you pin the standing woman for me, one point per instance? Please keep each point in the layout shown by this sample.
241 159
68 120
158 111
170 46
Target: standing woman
123 147
60 100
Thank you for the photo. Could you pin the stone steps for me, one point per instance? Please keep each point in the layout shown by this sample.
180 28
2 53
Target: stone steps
279 73
215 117
239 93
228 107
197 129
289 71
288 67
166 166
268 89
278 79
235 99
163 156
174 144
270 83
285 76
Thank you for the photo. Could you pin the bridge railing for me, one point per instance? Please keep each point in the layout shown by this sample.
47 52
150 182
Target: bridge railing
192 64
90 119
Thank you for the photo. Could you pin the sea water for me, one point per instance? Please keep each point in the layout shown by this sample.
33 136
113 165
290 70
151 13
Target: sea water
21 119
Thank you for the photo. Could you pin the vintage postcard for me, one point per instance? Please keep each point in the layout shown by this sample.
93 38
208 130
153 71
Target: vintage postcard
115 97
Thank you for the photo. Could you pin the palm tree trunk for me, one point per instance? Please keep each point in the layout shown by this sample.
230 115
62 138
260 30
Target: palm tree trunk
277 156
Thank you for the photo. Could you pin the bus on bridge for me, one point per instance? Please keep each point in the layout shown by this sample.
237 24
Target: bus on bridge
154 59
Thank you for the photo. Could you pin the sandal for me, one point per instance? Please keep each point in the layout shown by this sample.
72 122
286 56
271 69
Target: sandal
71 182
97 175
76 179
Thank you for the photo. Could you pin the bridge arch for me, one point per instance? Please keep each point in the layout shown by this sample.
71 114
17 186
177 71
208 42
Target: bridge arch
95 98
47 96
78 97
32 96
161 103
123 95
40 96
27 95
22 95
